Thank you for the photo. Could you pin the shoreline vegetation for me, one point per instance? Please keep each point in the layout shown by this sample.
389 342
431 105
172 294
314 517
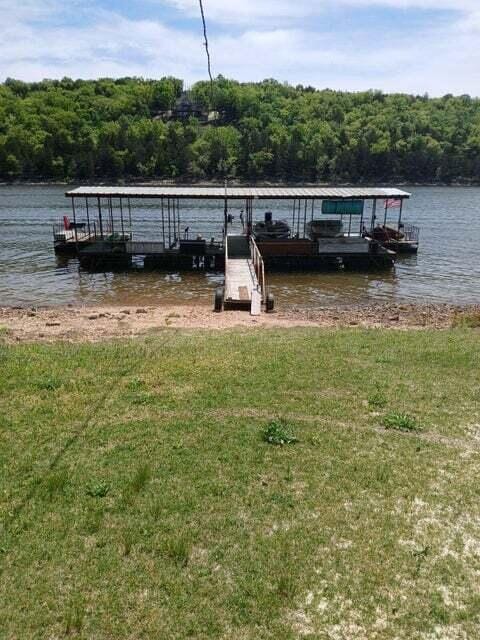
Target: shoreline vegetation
458 183
134 128
316 482
95 323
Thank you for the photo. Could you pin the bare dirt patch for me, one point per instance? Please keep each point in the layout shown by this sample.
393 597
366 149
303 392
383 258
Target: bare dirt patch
94 324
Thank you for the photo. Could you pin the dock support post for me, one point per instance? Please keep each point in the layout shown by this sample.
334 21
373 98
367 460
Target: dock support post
175 215
249 208
225 214
110 208
305 218
130 217
121 218
169 223
162 207
225 207
100 221
374 214
400 214
178 220
88 217
75 222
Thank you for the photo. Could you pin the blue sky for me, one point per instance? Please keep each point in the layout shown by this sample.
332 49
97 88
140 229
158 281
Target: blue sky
416 46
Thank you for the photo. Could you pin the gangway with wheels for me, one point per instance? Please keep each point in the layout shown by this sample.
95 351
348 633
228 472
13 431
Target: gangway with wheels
244 286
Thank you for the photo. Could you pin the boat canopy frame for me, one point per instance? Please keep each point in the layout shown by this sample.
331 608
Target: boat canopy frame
170 197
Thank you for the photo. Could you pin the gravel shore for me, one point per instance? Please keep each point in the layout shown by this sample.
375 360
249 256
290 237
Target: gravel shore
96 323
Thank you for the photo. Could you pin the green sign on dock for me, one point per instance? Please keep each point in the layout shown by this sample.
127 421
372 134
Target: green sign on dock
343 207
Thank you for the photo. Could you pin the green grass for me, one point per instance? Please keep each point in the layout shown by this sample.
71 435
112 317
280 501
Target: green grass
141 498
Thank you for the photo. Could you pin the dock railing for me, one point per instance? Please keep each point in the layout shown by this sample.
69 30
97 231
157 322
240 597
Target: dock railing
258 265
411 233
89 232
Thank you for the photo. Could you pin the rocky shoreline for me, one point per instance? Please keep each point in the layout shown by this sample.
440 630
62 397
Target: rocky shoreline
103 322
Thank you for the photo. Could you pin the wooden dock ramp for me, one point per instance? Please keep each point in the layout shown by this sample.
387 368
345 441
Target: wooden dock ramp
242 287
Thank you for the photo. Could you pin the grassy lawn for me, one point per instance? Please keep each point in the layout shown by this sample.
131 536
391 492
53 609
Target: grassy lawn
138 498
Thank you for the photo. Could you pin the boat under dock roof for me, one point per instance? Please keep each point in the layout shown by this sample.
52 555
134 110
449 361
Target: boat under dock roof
240 193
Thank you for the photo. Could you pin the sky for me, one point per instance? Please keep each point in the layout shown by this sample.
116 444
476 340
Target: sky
414 46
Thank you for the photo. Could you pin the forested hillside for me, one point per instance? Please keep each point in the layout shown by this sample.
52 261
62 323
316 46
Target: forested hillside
113 129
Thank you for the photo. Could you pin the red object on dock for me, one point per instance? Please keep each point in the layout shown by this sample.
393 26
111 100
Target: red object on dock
66 222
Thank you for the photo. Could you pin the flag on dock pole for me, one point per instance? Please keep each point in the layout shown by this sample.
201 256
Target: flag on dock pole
393 203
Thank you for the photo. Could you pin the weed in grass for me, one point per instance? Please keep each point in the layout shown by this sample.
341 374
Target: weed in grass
377 400
280 433
98 489
400 422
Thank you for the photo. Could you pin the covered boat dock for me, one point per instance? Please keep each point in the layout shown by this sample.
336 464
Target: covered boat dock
325 227
104 215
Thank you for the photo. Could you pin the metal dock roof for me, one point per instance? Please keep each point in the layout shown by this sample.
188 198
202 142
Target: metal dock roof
239 193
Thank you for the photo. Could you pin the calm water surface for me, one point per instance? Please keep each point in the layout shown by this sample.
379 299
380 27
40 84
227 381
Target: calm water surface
447 268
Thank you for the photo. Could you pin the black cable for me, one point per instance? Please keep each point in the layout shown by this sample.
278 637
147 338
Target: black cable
209 64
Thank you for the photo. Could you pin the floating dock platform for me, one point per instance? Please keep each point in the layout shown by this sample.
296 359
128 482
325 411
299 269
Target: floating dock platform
329 228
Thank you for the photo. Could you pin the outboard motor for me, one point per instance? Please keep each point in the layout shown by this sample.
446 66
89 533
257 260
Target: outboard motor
268 217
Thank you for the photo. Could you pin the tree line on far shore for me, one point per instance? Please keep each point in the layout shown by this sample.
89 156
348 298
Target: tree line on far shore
121 129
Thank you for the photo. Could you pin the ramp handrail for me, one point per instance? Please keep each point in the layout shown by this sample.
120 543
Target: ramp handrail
258 265
226 261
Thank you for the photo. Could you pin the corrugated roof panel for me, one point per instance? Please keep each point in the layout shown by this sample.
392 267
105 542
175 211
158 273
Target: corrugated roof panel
214 193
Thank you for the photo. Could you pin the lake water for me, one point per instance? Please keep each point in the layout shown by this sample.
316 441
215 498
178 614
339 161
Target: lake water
446 269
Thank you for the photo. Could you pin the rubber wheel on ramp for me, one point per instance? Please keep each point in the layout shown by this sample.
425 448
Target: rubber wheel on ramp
218 306
270 303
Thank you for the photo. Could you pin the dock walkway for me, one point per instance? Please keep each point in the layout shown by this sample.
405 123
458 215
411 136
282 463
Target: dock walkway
241 283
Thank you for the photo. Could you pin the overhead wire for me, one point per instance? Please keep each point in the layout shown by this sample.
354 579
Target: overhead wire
207 48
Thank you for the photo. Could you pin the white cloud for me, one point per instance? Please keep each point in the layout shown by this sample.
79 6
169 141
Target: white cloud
439 60
247 11
261 11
